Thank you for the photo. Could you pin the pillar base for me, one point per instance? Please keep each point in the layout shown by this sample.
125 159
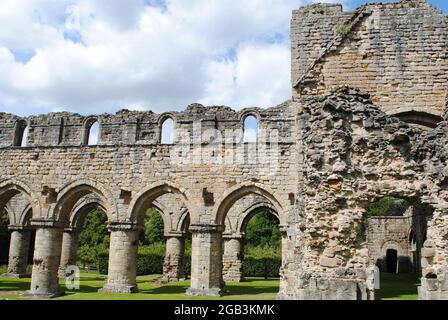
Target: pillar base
211 292
119 288
14 276
44 295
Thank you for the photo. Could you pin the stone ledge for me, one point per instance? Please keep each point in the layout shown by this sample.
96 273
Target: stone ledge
47 223
206 228
211 292
123 226
119 288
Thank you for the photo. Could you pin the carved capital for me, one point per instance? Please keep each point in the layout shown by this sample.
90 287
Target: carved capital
19 228
47 223
123 226
237 236
206 228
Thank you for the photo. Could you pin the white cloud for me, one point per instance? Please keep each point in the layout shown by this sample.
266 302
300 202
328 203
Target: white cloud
257 77
93 56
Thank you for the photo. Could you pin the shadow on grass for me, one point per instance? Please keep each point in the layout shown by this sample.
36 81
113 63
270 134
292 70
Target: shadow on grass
402 286
167 289
14 285
148 286
242 291
82 289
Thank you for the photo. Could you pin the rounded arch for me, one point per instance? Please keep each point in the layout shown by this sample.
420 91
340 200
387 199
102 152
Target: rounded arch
21 131
184 221
166 128
147 196
421 118
71 193
239 191
164 213
250 122
82 208
26 215
87 134
12 187
253 210
249 112
392 245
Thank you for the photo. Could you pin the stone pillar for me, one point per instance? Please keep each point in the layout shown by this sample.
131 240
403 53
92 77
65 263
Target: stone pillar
233 258
47 255
122 271
69 250
206 261
173 266
18 252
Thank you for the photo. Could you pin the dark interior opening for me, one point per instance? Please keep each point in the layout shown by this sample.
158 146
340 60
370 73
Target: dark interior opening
392 260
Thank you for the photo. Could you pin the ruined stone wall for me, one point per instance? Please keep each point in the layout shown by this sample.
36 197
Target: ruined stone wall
143 128
384 233
396 52
199 169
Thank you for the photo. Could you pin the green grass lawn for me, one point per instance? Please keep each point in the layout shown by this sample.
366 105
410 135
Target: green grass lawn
398 287
251 289
393 287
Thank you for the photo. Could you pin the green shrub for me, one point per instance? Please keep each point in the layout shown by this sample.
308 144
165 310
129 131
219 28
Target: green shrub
258 261
149 260
262 262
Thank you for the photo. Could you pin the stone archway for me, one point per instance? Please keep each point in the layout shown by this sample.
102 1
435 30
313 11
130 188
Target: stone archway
21 205
70 238
237 219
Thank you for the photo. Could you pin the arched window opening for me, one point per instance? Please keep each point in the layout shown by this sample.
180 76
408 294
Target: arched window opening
25 134
167 132
250 129
93 134
21 134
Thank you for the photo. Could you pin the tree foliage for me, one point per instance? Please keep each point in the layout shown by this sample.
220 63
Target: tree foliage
387 206
153 228
94 238
263 231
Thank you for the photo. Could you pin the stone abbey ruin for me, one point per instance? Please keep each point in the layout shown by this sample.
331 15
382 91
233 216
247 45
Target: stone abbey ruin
367 120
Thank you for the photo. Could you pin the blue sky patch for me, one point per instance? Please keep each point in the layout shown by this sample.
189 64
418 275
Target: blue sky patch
23 55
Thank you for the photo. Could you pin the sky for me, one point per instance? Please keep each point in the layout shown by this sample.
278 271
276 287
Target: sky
97 56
